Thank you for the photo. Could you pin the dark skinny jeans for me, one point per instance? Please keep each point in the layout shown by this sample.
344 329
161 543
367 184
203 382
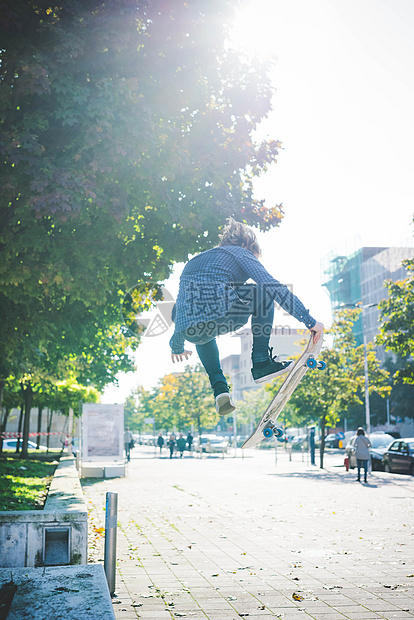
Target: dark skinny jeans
253 301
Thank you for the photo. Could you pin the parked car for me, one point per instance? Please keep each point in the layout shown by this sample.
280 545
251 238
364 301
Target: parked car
379 444
399 457
211 443
11 444
148 440
332 440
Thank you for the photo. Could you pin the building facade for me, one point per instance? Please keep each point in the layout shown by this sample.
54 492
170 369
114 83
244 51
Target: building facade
360 279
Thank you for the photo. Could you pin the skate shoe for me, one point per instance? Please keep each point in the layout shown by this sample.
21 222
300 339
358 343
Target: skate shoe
264 371
224 404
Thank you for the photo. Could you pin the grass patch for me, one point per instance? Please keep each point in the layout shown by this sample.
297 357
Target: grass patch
24 483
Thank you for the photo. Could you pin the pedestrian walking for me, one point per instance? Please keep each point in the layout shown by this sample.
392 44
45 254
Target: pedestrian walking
181 444
362 453
171 445
189 441
214 299
128 443
160 442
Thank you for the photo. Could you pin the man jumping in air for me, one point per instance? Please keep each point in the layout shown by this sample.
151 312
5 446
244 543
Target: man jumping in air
214 299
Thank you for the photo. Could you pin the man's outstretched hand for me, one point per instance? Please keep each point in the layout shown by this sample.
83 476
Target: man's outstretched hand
181 356
317 331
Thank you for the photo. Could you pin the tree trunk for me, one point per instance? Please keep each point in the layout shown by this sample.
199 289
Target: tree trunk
3 426
19 429
322 450
28 399
2 384
49 426
39 426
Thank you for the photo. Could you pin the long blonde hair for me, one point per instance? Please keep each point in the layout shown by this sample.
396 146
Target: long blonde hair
236 233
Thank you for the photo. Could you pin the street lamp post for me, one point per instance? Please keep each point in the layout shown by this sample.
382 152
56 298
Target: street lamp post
364 334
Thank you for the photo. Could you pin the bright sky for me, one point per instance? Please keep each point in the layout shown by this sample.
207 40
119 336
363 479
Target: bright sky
344 113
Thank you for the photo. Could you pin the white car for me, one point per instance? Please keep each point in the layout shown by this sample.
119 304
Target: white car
211 443
11 444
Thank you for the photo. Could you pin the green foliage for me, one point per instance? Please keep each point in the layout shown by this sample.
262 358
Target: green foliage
136 409
402 395
397 328
12 397
67 394
126 135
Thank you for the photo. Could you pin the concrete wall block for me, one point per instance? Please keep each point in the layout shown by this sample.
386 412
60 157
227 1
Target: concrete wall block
79 542
60 593
34 544
13 545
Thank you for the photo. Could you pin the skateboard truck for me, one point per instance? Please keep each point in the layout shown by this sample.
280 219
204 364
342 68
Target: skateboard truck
312 364
271 429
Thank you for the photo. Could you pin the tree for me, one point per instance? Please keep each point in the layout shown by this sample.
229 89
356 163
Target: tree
64 396
401 401
63 342
323 395
126 140
397 328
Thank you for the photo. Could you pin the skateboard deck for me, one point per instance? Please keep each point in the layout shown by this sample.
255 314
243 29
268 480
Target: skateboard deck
267 425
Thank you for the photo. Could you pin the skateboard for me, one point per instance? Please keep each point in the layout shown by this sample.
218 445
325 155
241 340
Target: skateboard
267 425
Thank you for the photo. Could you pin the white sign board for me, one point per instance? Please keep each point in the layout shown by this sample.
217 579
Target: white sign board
102 432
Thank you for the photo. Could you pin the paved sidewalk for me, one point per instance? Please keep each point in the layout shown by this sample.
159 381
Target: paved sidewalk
229 538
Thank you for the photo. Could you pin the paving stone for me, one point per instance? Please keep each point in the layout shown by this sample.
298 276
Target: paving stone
299 541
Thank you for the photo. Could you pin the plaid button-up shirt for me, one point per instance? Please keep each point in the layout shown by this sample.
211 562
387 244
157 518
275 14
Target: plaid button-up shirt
206 291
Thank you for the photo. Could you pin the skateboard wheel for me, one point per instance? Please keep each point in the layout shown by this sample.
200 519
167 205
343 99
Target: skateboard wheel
278 432
311 363
268 431
321 365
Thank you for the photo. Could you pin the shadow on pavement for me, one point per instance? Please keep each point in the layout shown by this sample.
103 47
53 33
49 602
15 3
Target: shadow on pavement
341 478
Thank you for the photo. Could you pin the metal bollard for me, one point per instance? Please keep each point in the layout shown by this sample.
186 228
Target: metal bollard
111 518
